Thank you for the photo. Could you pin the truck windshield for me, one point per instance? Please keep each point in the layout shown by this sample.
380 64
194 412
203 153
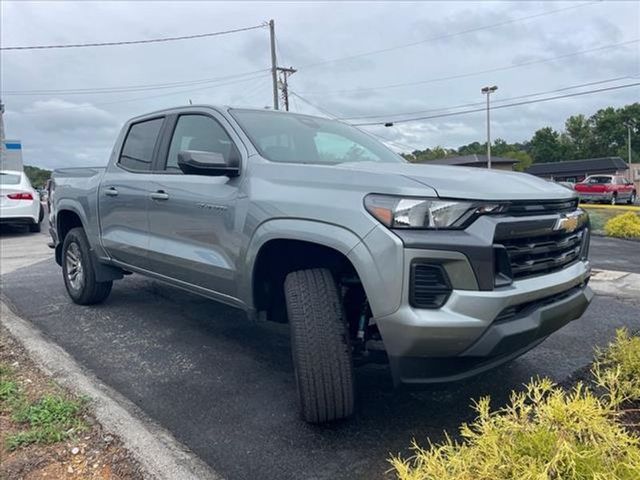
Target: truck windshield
599 180
292 138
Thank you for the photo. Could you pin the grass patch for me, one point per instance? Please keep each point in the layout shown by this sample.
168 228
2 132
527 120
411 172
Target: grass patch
9 392
51 418
545 432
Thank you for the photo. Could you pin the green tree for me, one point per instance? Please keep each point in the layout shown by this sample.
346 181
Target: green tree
37 176
578 136
546 146
524 159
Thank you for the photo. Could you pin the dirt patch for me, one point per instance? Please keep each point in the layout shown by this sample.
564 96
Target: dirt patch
88 453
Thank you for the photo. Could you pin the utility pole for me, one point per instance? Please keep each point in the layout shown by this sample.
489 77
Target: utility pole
2 146
286 72
274 63
629 124
488 91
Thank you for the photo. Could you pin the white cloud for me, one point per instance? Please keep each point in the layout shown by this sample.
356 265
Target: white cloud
64 129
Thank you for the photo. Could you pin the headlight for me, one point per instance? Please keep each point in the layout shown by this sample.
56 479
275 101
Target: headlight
414 212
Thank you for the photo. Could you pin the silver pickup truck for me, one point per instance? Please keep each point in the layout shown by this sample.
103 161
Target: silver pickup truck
443 272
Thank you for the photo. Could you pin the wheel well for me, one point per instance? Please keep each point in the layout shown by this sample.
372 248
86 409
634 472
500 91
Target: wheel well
66 220
277 258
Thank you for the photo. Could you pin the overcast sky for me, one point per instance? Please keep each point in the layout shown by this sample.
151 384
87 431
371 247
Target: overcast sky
60 129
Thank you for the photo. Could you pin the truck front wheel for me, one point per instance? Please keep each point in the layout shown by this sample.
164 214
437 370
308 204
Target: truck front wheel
78 272
320 346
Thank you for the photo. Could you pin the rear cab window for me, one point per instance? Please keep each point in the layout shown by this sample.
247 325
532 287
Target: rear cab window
9 179
138 148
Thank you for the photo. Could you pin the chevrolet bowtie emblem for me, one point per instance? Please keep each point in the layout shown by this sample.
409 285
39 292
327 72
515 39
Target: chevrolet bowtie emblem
568 223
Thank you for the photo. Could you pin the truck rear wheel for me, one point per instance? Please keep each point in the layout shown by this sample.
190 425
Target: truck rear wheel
320 346
78 272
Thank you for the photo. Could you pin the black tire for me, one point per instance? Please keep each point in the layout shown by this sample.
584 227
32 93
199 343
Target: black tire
614 199
632 199
34 227
88 291
320 346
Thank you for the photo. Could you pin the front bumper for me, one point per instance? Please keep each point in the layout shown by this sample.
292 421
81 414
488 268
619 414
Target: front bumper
483 323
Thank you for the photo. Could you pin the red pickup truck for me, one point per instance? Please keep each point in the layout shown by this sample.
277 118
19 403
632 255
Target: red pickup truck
613 189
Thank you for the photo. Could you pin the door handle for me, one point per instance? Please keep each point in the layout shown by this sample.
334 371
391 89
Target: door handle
111 192
159 195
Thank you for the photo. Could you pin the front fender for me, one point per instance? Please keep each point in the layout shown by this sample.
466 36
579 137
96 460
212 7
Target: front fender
376 275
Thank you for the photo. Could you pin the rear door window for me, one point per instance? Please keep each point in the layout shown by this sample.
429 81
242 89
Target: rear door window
137 151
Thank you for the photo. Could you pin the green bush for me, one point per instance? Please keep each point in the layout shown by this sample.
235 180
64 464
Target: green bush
617 368
626 225
544 433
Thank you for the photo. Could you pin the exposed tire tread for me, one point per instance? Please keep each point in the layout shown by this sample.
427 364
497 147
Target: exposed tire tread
320 345
93 292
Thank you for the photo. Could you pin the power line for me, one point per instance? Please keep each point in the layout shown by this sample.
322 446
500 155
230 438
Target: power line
387 117
125 100
326 112
130 88
479 72
528 102
445 36
134 42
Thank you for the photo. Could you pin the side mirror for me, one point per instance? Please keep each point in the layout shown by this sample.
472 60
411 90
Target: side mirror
196 162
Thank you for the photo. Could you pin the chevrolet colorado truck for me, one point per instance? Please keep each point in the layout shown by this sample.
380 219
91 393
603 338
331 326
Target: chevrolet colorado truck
443 272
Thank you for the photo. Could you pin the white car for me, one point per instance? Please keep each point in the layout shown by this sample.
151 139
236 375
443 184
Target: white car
19 202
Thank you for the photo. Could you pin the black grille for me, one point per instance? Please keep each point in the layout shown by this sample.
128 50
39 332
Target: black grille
430 287
541 207
538 255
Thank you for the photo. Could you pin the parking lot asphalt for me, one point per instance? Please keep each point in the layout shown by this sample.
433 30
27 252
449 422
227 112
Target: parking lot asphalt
224 386
614 254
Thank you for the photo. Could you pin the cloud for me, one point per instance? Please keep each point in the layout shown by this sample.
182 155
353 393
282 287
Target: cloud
70 130
56 115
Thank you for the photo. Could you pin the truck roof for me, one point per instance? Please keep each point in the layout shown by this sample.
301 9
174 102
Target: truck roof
220 108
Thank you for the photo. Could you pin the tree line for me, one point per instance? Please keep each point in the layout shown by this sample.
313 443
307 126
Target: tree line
37 176
603 134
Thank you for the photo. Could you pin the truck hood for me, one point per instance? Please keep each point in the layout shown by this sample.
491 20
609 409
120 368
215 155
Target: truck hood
469 182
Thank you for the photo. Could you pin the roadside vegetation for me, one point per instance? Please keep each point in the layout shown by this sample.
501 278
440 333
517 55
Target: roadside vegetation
49 419
37 176
46 431
626 225
547 432
599 215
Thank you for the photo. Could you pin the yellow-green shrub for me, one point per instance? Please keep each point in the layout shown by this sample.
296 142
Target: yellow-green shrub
626 225
617 368
543 433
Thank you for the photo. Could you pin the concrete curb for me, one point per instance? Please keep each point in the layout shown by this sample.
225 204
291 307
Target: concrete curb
161 456
613 283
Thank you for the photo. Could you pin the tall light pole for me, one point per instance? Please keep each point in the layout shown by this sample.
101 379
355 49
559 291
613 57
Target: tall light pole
2 147
629 124
274 63
488 91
